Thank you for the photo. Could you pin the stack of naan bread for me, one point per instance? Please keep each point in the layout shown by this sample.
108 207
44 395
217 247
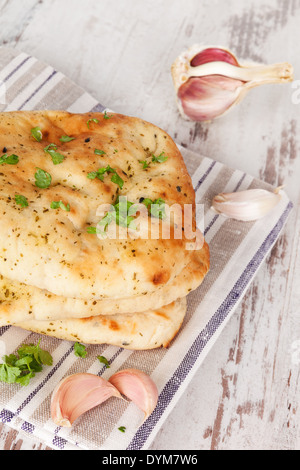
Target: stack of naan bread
60 279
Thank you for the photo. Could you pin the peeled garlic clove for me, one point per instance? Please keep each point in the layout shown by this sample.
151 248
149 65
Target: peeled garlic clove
77 394
137 387
209 81
249 205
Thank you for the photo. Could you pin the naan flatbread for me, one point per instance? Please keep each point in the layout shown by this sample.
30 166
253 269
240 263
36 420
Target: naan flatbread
51 249
19 302
142 331
57 277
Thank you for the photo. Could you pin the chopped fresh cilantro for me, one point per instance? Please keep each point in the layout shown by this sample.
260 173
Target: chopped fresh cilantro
147 202
102 171
98 231
36 133
102 225
96 121
9 374
42 179
41 356
104 361
106 221
97 174
93 175
106 115
117 180
50 146
57 157
9 159
21 200
80 350
156 208
122 214
60 205
144 163
24 379
92 230
99 152
65 138
20 369
160 159
122 429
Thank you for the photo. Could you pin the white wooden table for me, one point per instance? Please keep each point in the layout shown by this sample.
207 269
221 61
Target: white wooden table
246 394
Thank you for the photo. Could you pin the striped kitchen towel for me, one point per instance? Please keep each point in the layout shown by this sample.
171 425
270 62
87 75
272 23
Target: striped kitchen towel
237 251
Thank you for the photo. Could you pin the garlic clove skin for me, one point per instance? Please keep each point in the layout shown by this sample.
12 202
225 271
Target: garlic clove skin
78 394
209 81
250 205
208 98
137 387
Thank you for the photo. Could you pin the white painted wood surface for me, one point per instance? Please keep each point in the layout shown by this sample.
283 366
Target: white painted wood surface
246 394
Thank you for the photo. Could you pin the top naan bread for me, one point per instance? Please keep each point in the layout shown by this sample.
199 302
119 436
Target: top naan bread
51 249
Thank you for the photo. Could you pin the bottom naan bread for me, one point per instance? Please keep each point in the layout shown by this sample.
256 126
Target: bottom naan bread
20 302
136 331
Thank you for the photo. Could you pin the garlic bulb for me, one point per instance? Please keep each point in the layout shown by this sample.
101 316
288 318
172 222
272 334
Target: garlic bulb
249 205
138 387
209 81
77 394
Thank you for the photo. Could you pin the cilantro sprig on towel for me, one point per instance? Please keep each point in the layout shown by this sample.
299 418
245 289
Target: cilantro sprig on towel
80 350
22 367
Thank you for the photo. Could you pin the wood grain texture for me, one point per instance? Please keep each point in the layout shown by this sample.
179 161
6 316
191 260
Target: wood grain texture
245 395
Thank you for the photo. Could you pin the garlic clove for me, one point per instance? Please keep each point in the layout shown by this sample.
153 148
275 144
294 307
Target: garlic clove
209 81
137 387
208 98
77 394
211 54
249 205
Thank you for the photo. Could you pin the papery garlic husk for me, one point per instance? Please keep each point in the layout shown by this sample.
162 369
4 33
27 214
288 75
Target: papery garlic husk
209 81
137 387
250 205
77 394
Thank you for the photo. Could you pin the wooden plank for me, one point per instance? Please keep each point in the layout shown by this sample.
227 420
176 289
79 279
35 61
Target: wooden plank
12 440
